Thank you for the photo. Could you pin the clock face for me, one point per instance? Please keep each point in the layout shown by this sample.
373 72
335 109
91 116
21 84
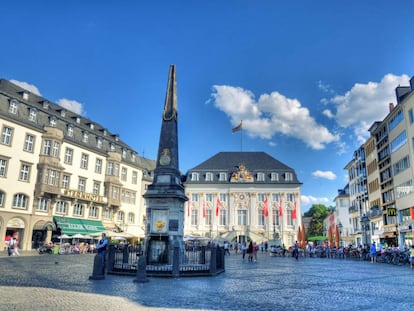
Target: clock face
165 158
241 196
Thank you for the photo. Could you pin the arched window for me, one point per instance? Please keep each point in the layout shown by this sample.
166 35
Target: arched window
93 211
131 218
78 209
2 197
120 216
20 200
61 207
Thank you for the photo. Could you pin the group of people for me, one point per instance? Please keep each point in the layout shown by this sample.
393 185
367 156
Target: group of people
13 247
251 250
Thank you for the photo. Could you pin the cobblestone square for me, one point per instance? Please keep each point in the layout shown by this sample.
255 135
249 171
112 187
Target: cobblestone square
61 282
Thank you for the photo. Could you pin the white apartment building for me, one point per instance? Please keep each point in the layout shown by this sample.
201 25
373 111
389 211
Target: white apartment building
61 173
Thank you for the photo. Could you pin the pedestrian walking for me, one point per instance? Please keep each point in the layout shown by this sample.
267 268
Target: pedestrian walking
255 250
236 247
296 250
243 249
373 252
250 251
226 248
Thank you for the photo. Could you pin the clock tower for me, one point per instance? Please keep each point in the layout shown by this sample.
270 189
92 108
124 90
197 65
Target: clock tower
165 197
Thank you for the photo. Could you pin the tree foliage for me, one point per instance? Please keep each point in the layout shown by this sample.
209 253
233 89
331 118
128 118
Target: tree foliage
318 212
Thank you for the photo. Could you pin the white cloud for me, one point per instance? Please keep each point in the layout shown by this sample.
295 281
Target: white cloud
366 103
71 105
328 113
27 86
325 87
309 200
272 144
271 114
324 174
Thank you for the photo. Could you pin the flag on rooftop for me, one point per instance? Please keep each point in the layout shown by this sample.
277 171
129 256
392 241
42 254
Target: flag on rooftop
238 127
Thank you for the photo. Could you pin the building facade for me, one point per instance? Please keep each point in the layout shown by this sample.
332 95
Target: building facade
61 173
242 196
385 213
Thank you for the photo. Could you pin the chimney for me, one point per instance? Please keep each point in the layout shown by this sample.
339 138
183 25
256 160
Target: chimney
391 105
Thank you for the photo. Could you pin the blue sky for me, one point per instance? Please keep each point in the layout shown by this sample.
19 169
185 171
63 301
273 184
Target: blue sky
306 77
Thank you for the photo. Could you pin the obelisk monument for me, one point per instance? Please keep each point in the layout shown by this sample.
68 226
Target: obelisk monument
166 196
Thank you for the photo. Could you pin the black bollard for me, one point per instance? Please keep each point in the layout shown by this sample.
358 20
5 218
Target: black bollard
97 269
141 276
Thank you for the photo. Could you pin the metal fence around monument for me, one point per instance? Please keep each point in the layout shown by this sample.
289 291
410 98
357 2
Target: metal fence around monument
189 262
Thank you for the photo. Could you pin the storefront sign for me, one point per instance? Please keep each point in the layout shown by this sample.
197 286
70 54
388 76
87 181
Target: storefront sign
83 195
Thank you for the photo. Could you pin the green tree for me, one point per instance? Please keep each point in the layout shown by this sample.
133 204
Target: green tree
318 212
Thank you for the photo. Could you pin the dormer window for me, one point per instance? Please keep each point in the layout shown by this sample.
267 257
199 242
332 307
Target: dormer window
63 113
91 126
194 176
223 176
52 121
78 119
288 176
85 137
70 130
112 147
133 157
45 104
116 137
25 95
124 153
13 106
99 142
209 176
274 177
260 177
32 114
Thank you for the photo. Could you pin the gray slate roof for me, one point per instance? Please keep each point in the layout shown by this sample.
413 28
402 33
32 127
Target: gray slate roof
255 162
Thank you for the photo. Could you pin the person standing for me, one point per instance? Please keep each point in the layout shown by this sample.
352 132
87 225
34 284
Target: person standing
250 251
243 248
255 250
412 256
296 250
373 252
101 249
16 247
10 247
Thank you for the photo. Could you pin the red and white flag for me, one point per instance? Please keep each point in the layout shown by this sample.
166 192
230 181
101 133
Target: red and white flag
265 208
280 207
218 206
294 210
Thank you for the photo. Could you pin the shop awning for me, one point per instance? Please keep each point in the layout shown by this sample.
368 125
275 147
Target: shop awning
72 226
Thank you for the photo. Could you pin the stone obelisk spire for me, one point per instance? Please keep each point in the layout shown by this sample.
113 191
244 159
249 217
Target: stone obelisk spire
167 159
166 196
